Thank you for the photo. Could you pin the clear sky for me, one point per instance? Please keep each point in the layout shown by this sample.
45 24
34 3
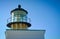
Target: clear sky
44 14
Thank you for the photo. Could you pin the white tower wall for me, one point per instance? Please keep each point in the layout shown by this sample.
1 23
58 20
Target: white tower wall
25 34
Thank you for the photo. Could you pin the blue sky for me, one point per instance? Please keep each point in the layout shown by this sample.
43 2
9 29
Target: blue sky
44 14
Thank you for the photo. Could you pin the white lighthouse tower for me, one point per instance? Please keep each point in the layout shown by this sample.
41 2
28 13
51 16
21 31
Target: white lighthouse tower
18 24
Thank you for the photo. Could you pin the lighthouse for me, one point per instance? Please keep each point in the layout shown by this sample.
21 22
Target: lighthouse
19 19
19 24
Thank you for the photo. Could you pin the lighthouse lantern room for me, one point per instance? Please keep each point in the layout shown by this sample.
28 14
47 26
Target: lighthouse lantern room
19 19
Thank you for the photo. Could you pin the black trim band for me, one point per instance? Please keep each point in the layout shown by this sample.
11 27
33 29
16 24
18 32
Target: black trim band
9 24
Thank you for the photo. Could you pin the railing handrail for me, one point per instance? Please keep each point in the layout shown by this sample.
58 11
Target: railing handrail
10 20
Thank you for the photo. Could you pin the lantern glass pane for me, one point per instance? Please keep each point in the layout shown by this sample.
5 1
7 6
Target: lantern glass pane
17 17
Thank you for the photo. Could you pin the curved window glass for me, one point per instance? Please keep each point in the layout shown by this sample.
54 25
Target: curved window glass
16 17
